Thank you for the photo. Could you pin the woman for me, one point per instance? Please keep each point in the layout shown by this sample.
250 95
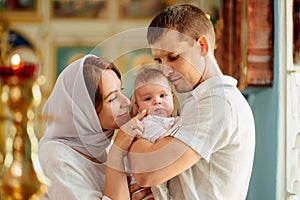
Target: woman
82 112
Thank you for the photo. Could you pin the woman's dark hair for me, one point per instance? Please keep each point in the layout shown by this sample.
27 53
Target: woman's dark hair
93 68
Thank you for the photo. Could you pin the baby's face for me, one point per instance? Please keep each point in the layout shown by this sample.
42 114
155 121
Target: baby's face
156 97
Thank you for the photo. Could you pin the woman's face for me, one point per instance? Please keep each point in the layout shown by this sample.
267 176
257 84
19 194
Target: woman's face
114 112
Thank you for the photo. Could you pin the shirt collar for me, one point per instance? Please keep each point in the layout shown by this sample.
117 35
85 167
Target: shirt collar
213 83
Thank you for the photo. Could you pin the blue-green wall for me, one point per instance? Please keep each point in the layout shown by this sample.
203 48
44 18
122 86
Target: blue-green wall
263 181
265 106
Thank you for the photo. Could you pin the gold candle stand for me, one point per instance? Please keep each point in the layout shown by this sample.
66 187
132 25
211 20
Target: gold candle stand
21 175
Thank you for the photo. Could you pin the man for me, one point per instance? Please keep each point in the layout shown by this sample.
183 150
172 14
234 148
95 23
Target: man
210 155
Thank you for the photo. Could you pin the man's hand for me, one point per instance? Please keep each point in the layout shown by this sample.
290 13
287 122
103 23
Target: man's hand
137 192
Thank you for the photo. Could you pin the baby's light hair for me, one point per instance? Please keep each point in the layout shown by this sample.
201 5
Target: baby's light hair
147 73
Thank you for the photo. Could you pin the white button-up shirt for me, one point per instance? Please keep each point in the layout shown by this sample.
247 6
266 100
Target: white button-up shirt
218 124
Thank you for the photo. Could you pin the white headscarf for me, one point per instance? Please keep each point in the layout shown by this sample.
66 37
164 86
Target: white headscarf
71 117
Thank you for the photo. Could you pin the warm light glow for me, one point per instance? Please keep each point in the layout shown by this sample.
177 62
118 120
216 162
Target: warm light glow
16 170
4 95
37 95
208 16
15 94
18 117
30 115
41 80
16 61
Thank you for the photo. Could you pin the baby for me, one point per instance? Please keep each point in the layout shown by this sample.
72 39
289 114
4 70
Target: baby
153 93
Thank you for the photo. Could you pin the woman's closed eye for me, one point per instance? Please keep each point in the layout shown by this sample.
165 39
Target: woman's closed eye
115 95
112 98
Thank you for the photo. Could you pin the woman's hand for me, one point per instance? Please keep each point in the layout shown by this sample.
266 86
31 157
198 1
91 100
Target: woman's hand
134 127
131 129
116 185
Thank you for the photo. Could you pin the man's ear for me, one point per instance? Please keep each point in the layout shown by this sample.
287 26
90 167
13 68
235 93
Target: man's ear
204 45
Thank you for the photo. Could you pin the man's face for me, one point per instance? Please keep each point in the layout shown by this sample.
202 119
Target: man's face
181 61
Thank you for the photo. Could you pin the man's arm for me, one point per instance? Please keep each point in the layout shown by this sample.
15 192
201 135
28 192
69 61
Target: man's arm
155 163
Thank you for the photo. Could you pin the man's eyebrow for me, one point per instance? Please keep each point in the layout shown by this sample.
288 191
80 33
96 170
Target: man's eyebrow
115 91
